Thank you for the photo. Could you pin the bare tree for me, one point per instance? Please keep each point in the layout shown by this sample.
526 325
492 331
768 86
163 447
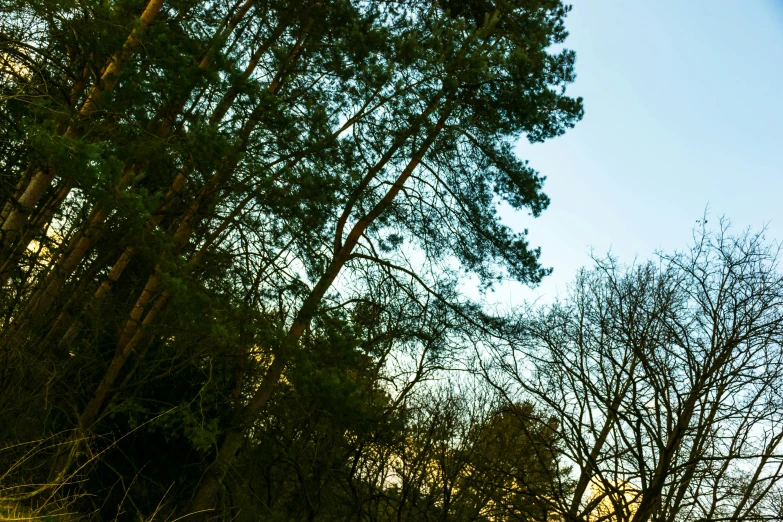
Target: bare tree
666 379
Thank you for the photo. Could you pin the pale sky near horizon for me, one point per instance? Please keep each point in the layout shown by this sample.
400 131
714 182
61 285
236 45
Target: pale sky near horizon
683 111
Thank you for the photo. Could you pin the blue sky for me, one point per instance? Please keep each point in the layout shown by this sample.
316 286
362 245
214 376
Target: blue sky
683 110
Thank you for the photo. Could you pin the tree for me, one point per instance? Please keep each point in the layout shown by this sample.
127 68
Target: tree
195 190
664 378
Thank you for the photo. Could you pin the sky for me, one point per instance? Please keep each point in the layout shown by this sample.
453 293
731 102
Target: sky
683 113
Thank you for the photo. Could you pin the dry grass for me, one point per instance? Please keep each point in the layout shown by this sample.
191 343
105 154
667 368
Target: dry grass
48 513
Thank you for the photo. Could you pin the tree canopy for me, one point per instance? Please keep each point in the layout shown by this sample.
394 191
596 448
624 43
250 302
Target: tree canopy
233 238
245 253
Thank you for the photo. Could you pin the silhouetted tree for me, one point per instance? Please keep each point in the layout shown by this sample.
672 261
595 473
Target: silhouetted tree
210 208
665 379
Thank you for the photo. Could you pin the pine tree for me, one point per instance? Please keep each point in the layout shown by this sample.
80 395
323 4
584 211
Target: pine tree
196 193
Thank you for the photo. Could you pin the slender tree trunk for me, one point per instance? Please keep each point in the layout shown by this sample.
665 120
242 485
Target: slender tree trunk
134 325
210 485
85 239
16 220
588 470
95 222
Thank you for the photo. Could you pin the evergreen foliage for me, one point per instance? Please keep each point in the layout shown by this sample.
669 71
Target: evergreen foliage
233 236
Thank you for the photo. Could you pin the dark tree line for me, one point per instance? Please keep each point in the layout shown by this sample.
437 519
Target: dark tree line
232 237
